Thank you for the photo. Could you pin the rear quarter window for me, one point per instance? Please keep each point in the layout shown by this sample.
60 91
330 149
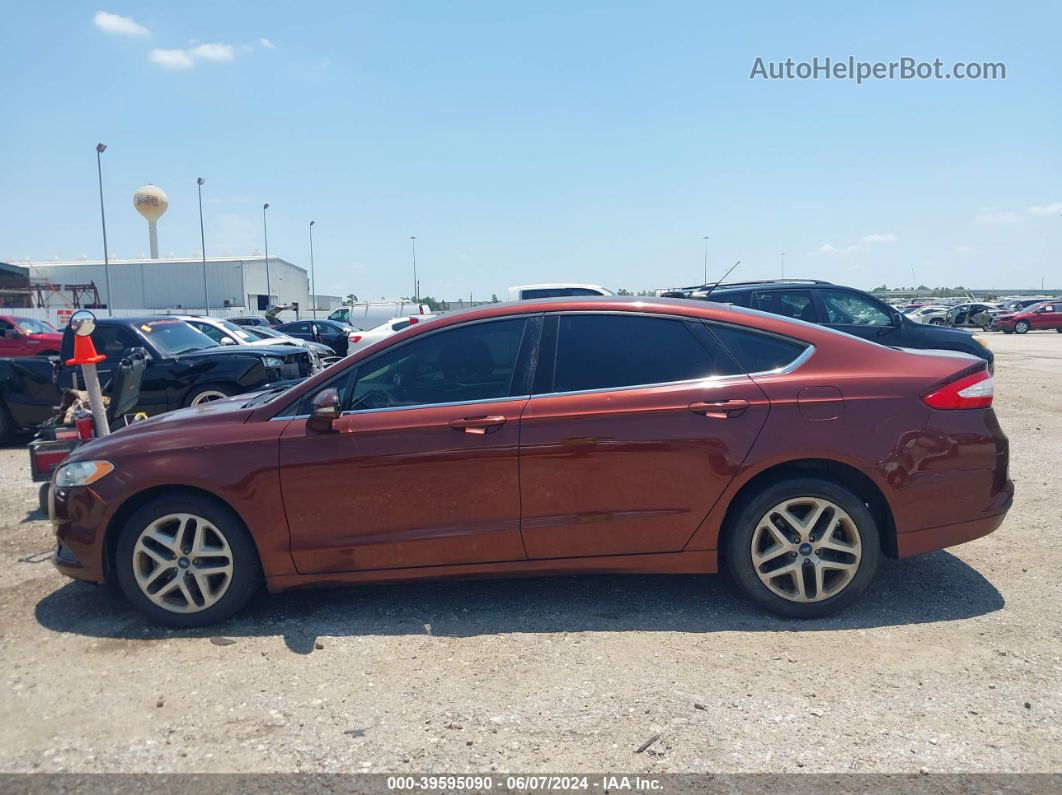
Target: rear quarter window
757 352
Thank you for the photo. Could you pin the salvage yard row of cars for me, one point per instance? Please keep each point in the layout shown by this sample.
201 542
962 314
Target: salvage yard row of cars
788 431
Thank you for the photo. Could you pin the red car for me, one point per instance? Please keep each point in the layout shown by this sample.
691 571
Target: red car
551 437
23 336
1046 315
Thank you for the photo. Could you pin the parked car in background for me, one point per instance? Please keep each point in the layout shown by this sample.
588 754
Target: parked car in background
1018 304
1046 315
280 338
565 436
332 333
527 292
24 336
251 320
844 309
971 315
363 339
185 367
224 332
928 314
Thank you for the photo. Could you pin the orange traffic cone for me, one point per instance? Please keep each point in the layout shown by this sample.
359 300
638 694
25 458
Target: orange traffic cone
85 352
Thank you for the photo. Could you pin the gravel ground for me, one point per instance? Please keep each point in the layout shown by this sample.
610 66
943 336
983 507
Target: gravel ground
952 663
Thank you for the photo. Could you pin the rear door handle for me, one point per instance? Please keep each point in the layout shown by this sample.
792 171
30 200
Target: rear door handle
477 425
720 409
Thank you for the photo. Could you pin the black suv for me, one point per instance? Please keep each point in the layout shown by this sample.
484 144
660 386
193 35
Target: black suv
843 308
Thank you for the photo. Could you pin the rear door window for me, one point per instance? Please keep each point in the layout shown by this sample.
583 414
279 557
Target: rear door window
796 304
603 351
850 309
757 352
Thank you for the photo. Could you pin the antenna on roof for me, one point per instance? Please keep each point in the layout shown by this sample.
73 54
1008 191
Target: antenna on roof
721 280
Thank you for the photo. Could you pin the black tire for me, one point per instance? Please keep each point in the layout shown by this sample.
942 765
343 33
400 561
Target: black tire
205 393
1021 327
42 497
1059 330
739 539
7 425
936 322
246 575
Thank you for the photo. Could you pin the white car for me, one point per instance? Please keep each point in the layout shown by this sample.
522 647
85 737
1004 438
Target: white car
933 315
363 339
526 292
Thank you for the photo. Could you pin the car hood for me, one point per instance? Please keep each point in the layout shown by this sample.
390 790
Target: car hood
165 431
247 350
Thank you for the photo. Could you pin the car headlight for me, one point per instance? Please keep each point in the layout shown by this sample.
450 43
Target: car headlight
272 361
81 473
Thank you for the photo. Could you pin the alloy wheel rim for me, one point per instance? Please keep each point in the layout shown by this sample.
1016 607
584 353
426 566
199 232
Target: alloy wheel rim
182 563
806 549
208 397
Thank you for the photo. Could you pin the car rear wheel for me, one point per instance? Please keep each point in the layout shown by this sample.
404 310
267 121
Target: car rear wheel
804 548
208 393
186 561
1021 326
936 322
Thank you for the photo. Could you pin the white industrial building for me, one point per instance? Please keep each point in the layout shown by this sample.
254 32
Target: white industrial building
179 282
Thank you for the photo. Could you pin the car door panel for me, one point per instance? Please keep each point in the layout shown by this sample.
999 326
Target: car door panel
631 471
404 487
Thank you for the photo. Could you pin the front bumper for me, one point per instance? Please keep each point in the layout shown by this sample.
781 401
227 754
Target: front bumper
79 517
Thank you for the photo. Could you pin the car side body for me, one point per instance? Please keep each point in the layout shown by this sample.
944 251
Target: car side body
21 336
1038 317
844 309
549 479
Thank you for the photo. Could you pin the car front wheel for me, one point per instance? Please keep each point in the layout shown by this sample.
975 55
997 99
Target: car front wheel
804 548
208 393
1021 326
186 561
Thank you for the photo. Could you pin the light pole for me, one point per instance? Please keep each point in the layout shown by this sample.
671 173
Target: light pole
416 284
313 281
100 149
202 242
783 264
705 260
265 233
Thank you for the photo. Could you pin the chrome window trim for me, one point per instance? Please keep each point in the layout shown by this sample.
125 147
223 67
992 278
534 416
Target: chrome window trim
709 381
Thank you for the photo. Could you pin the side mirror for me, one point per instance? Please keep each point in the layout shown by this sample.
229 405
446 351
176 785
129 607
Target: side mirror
324 410
228 341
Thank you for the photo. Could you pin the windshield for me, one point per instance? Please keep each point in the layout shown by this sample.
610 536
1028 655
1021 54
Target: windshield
31 326
174 337
237 331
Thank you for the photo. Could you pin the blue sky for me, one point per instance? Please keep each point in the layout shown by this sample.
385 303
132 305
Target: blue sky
547 141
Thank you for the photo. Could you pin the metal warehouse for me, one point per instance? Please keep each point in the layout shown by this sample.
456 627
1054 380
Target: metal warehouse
179 282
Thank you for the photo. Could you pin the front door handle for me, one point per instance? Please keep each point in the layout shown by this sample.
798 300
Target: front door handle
477 425
720 409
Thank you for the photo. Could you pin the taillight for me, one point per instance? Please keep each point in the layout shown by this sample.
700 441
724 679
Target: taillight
972 391
355 338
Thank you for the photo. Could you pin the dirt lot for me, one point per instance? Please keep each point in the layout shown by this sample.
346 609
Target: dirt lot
951 664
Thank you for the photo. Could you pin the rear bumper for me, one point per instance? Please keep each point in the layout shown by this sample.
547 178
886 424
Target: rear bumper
934 538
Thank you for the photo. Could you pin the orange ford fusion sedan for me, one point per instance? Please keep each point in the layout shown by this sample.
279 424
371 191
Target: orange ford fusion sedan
557 436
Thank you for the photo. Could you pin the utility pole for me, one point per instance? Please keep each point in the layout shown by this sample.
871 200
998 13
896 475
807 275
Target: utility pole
265 234
313 281
416 284
705 260
100 149
202 242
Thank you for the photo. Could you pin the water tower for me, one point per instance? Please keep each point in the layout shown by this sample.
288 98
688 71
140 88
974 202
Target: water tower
151 202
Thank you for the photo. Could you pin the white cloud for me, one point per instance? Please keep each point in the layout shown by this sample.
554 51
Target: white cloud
989 216
1045 209
830 250
186 59
887 237
123 26
213 52
966 250
171 59
264 42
